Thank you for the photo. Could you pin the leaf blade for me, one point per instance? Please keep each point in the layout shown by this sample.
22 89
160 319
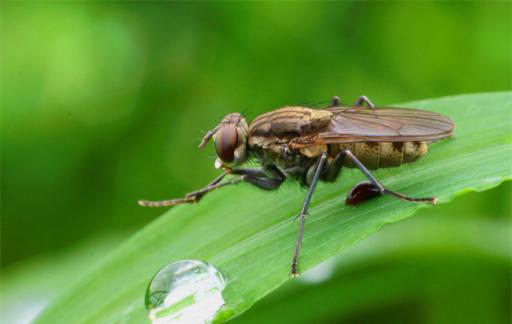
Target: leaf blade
250 238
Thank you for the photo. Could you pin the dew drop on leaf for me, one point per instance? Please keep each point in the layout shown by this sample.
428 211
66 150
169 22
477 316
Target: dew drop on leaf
185 291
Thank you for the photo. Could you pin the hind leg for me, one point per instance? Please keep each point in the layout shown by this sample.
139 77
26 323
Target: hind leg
380 187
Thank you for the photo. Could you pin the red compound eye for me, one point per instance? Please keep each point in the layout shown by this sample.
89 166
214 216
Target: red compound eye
226 141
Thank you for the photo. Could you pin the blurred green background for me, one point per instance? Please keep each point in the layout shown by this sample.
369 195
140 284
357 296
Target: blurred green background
105 103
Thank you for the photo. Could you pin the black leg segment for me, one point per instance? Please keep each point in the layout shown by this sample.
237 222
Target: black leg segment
333 168
304 211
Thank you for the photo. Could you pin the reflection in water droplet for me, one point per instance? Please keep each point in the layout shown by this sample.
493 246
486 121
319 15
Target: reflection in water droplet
186 291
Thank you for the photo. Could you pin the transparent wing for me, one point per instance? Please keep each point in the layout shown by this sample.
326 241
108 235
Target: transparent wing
385 124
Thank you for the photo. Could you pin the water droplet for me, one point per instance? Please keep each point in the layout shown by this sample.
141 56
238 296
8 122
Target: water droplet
185 291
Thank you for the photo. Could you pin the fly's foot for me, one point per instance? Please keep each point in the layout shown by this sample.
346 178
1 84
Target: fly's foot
144 203
168 203
428 200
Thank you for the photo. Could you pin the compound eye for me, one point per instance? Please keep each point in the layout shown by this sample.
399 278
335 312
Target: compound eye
226 141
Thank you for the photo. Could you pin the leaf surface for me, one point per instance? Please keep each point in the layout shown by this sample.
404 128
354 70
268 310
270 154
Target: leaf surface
249 234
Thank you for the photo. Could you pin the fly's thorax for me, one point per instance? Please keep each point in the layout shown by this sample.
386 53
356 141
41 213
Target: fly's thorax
376 155
289 122
274 132
230 138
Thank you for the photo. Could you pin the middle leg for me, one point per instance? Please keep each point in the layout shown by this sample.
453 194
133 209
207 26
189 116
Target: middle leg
304 211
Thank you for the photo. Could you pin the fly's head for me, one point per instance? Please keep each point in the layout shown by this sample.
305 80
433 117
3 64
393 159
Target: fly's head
230 138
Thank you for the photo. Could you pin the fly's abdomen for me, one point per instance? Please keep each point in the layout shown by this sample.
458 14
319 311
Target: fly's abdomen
376 155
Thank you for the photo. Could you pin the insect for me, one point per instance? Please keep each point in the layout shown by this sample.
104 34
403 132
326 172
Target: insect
310 145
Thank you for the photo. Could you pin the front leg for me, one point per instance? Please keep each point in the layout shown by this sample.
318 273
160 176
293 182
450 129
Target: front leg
267 178
256 177
189 198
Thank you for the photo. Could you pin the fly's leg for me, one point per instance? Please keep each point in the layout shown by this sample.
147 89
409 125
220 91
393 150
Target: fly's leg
189 198
268 178
264 183
255 177
333 169
364 100
257 173
335 101
382 189
304 211
248 176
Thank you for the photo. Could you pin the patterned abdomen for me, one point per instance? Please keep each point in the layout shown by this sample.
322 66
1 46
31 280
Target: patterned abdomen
376 155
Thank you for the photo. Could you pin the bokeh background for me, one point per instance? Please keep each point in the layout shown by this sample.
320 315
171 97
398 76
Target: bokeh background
104 103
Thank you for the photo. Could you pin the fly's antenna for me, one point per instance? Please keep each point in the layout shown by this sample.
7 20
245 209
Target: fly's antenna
207 137
199 137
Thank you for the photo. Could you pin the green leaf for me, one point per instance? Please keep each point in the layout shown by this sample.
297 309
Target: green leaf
249 234
30 285
428 269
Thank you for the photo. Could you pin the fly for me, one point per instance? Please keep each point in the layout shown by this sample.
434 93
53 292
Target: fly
310 145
